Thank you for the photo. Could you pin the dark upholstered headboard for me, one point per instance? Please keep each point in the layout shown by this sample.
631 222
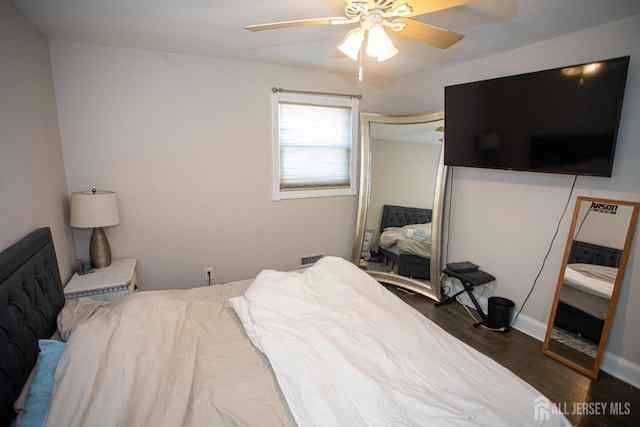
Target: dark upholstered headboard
399 216
589 253
31 297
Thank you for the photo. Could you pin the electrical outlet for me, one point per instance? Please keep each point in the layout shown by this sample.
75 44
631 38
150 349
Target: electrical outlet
208 275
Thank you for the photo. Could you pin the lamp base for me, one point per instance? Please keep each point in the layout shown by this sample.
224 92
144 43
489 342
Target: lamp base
99 249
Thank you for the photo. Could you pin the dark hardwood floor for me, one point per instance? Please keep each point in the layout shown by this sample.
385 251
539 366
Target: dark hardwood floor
522 354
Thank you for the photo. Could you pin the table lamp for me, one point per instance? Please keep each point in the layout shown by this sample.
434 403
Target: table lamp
95 209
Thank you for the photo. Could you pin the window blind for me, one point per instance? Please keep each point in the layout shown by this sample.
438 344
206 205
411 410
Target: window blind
315 146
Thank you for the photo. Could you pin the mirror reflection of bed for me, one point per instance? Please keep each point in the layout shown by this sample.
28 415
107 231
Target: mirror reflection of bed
404 241
399 214
594 262
589 278
587 287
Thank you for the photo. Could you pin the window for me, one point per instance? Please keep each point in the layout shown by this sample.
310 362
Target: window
314 145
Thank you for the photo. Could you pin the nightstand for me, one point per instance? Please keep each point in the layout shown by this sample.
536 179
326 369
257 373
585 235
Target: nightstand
117 280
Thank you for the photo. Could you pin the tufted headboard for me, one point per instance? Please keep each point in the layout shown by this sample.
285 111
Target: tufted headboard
31 297
399 216
589 253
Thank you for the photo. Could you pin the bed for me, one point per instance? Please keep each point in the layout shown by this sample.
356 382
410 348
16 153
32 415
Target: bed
320 347
405 240
30 296
587 286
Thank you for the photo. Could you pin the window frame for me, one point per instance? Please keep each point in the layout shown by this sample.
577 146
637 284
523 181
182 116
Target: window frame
327 100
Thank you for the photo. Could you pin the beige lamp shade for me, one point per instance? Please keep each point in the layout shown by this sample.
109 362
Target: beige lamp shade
95 209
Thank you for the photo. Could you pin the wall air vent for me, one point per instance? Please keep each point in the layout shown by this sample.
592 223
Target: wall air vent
309 260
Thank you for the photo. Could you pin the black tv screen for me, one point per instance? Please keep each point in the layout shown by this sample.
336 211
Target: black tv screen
563 120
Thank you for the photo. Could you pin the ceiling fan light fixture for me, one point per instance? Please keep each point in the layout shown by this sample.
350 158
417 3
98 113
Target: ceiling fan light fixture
361 6
388 54
379 44
395 26
352 43
403 10
374 18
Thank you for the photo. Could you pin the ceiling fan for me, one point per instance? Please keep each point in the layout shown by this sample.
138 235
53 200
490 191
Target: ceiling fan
374 17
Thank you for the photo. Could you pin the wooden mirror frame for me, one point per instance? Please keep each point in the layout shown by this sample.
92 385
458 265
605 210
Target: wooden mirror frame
429 288
593 373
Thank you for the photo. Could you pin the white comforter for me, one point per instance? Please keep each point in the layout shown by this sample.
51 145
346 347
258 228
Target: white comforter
594 279
411 239
347 352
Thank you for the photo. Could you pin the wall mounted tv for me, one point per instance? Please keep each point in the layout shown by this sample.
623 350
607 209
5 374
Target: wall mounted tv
563 120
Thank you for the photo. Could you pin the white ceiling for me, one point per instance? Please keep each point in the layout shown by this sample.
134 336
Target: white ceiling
216 28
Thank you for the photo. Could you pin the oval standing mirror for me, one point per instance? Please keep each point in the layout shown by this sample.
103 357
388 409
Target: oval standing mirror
401 195
592 270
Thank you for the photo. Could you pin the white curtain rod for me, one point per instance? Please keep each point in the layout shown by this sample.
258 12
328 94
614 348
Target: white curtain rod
279 89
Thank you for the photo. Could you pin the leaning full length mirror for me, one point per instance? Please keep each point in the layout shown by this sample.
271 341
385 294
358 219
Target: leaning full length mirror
593 267
401 191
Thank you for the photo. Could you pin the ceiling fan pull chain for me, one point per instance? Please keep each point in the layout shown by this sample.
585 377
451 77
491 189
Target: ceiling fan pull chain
360 65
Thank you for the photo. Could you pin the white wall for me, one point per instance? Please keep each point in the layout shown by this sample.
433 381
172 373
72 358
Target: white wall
402 173
505 221
33 189
185 141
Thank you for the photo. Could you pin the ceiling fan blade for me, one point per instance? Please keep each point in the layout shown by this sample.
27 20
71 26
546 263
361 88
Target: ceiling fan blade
420 7
427 34
338 20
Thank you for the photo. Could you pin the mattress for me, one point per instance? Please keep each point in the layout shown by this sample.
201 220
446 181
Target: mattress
594 279
588 288
586 302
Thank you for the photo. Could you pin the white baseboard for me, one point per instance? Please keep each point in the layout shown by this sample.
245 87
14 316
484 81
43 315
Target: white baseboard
620 368
612 364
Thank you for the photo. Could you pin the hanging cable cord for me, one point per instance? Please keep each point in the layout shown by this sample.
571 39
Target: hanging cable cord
575 237
535 281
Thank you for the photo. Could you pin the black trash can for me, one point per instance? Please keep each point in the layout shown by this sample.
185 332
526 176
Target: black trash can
499 313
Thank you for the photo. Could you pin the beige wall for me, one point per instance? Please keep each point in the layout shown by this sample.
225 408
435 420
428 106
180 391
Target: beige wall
185 141
33 189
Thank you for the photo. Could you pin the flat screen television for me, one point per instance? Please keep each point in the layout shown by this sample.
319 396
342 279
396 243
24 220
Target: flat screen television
563 120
